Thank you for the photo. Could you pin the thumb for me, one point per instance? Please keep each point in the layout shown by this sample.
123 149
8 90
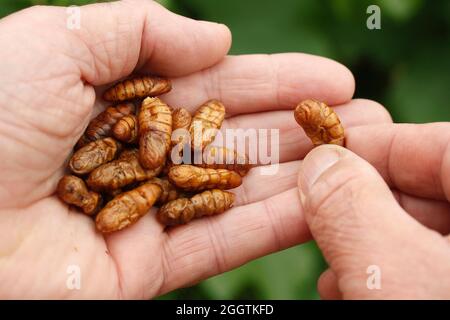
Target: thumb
357 223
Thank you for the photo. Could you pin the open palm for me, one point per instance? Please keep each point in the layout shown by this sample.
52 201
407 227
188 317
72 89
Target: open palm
49 79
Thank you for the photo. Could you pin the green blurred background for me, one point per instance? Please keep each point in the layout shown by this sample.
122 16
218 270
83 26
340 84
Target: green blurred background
405 66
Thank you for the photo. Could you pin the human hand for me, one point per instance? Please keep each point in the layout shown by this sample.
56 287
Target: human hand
384 234
49 80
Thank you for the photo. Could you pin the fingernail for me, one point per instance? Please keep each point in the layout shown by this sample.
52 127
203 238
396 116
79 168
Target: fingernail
315 164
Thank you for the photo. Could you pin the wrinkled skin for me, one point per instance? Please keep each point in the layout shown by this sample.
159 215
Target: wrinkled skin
50 79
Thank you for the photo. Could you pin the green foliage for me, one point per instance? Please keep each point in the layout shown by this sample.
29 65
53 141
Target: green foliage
405 66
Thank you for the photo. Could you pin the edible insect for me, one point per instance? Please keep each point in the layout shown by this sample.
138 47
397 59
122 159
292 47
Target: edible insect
126 129
127 208
320 122
192 178
222 158
120 173
168 190
73 190
155 125
181 119
138 87
93 155
206 122
183 210
101 126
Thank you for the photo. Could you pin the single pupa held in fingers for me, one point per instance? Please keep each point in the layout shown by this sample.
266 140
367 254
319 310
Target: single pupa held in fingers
320 123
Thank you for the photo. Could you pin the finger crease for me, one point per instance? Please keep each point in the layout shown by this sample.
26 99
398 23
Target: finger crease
276 79
390 158
166 266
218 244
441 174
271 213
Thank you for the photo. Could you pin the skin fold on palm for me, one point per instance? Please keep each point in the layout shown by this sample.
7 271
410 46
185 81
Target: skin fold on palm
50 79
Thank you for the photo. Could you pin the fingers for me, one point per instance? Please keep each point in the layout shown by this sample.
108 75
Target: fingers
257 186
293 144
327 286
115 38
412 158
358 224
333 182
255 83
210 246
433 214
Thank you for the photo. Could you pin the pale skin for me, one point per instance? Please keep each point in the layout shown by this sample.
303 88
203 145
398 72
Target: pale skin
51 77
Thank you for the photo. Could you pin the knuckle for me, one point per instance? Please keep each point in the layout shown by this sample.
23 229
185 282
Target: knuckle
36 9
38 14
381 114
